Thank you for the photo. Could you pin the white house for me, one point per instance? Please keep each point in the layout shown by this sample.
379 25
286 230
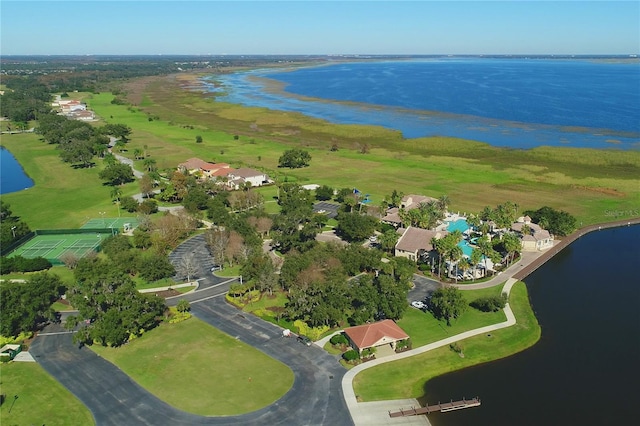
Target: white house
243 175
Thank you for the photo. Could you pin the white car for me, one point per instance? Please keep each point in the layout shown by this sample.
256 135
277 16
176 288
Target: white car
417 304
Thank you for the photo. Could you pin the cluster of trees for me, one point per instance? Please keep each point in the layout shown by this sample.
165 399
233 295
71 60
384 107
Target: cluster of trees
11 227
26 305
151 265
111 311
426 215
557 222
78 141
321 292
25 100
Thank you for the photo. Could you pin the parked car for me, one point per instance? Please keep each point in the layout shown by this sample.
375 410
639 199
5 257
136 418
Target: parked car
418 304
305 340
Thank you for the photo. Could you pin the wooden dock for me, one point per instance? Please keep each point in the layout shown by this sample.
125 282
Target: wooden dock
443 408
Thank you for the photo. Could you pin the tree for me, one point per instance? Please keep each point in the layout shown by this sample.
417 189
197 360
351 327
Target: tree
148 206
11 227
149 164
117 174
183 306
217 241
512 245
557 222
24 305
116 193
388 240
146 185
154 267
447 303
324 193
294 159
355 227
187 266
129 204
198 139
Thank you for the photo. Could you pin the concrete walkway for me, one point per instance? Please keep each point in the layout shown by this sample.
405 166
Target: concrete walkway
364 414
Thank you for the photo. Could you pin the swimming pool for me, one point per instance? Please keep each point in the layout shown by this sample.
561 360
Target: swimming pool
458 225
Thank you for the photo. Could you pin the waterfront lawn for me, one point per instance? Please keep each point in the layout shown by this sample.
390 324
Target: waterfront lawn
407 378
41 399
424 328
63 197
176 360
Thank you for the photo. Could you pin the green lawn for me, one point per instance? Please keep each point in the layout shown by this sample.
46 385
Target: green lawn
424 328
175 360
63 197
407 378
41 399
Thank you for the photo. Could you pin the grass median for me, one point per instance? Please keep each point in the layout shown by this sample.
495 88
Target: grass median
408 377
197 368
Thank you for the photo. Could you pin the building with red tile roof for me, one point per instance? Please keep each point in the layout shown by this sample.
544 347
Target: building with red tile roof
376 334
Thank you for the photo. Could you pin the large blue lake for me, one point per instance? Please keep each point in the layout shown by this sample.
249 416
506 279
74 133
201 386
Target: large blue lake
12 176
516 103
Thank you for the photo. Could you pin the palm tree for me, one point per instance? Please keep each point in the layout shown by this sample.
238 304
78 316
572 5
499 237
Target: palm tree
512 245
137 153
116 193
438 246
475 258
454 254
443 203
149 164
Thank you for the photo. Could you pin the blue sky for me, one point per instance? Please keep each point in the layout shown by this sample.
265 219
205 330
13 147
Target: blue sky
319 27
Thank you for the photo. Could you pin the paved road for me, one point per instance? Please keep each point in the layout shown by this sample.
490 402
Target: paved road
316 397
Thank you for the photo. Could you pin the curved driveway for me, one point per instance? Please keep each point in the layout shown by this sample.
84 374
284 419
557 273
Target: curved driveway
316 397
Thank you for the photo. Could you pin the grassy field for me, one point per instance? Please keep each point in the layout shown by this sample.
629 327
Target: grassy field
174 360
424 328
41 400
63 197
408 378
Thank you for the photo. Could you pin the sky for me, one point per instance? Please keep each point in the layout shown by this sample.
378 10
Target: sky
94 27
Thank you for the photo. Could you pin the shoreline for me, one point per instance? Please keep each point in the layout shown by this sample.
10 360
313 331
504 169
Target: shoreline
565 242
413 125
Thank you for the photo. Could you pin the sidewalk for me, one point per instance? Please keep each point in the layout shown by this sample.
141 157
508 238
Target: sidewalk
361 413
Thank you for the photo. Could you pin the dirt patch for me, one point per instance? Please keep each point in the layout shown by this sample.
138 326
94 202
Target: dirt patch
167 293
607 191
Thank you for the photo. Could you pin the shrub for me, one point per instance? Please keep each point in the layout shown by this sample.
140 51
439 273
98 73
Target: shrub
351 355
22 264
312 333
489 303
368 353
339 339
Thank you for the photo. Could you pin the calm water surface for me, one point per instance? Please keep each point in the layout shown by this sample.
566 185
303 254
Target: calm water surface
514 103
12 176
585 369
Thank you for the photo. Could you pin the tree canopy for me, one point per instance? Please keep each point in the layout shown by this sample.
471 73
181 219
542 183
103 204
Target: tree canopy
24 305
294 159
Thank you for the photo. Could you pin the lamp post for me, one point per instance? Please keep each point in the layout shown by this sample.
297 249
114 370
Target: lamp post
102 216
14 401
13 231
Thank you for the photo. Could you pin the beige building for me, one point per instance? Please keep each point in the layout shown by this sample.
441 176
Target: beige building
415 243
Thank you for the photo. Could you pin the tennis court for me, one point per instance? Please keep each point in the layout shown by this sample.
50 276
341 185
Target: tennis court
54 247
119 223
